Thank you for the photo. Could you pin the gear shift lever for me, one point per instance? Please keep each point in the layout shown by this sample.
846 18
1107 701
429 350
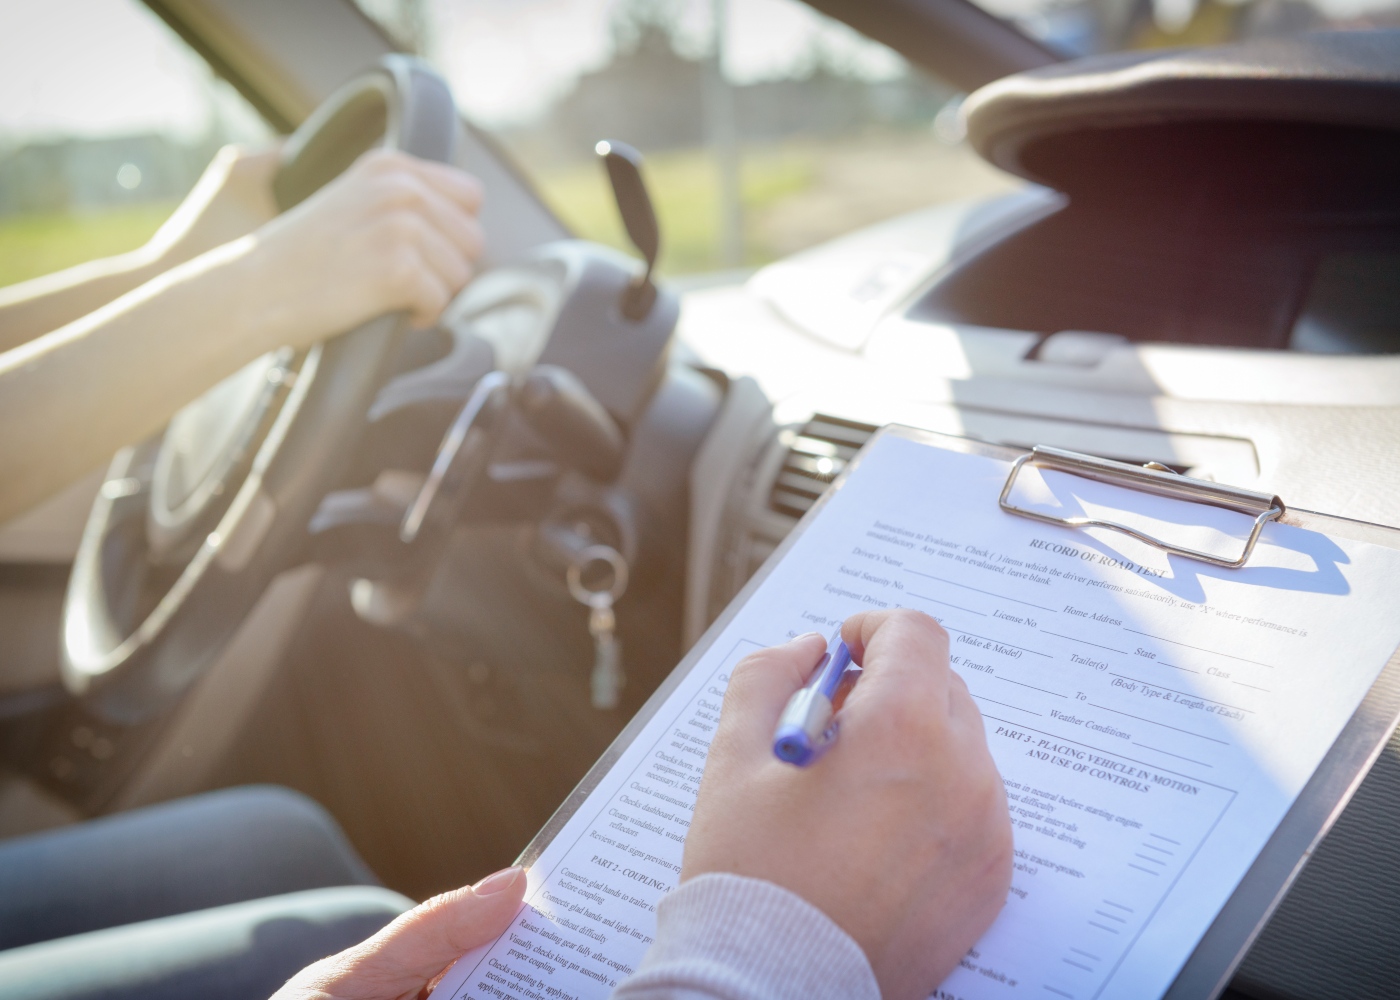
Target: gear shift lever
625 172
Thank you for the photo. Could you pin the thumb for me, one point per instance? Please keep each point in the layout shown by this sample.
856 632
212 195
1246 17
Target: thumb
419 945
760 687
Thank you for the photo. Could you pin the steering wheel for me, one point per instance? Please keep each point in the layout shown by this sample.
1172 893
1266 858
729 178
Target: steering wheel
190 527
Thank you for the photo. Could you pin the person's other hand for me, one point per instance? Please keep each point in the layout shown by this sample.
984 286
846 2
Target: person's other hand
392 233
407 958
899 833
232 198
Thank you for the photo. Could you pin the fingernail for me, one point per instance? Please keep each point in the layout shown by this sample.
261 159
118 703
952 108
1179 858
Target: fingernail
498 882
807 635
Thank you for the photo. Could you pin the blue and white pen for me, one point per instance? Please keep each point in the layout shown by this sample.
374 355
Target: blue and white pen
807 726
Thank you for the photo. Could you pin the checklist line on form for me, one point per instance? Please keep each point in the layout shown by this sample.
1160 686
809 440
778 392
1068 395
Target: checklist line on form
1033 687
964 586
947 604
1008 704
1086 642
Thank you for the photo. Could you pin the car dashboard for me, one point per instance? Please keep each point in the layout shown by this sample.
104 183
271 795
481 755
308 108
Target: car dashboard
1314 428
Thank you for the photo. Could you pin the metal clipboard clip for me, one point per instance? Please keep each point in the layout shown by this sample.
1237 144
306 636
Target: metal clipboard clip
1151 478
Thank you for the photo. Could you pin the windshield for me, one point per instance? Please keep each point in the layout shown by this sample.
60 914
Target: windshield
767 127
778 132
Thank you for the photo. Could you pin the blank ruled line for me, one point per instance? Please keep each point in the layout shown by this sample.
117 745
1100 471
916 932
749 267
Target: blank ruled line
1077 965
947 604
1060 992
1000 597
998 718
1008 704
1086 642
1167 839
1110 916
1141 869
999 642
1175 667
1254 687
1155 861
1102 927
1085 953
1162 724
1189 694
1116 906
1154 847
1174 642
1033 687
1189 760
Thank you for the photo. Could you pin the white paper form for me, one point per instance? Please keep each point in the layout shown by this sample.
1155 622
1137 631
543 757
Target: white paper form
1153 719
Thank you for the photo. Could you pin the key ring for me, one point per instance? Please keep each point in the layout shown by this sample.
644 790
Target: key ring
586 557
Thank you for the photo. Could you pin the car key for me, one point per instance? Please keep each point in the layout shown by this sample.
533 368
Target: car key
606 681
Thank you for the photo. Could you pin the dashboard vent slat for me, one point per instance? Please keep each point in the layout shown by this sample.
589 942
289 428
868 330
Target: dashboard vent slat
817 455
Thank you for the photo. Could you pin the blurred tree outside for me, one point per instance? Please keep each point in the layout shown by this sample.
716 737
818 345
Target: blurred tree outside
834 131
825 144
822 151
796 194
107 119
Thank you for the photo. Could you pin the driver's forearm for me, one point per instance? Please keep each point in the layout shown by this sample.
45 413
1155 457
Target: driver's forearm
74 396
33 308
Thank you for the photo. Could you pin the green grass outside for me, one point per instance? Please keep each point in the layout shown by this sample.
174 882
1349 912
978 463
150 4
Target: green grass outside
31 245
685 187
795 194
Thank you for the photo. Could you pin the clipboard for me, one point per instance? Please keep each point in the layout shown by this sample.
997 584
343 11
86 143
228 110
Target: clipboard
1216 956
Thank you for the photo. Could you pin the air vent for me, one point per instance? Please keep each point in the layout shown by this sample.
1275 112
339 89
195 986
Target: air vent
816 456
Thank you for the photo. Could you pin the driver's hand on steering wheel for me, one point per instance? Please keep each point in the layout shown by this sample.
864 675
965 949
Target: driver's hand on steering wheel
391 233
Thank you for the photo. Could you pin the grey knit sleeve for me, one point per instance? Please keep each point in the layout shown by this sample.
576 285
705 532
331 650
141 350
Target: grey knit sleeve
727 937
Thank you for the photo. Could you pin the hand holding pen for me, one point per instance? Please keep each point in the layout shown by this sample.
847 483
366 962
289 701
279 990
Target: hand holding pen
899 833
